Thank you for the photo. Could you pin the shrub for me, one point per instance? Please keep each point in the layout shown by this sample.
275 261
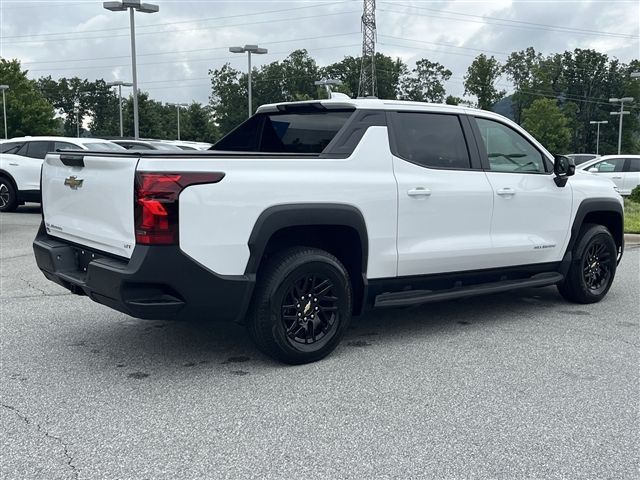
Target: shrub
635 195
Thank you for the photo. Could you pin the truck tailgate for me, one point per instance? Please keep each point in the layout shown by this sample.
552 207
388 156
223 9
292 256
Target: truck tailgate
88 200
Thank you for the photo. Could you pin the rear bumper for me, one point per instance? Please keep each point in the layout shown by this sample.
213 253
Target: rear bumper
158 282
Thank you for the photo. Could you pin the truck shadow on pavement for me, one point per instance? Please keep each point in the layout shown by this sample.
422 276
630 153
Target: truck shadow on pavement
144 348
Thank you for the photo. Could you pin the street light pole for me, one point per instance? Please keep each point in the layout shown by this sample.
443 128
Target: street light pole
249 49
621 113
4 108
120 84
593 122
77 108
133 5
178 106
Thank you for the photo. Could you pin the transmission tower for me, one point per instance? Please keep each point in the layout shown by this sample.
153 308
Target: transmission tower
368 85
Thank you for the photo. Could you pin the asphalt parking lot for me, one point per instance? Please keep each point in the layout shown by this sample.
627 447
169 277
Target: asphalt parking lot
519 385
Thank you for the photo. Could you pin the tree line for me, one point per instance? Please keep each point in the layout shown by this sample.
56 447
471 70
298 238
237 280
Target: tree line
553 96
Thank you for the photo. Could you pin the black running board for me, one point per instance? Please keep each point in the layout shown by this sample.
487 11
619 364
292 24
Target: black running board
416 297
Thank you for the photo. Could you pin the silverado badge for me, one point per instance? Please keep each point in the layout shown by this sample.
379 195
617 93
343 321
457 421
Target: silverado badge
73 182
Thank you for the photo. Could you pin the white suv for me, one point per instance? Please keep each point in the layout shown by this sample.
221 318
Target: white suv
21 159
623 170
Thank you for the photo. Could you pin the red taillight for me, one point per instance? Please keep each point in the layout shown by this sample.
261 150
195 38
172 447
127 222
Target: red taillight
156 203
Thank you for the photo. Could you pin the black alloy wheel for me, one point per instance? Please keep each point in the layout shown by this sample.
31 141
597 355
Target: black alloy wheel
301 306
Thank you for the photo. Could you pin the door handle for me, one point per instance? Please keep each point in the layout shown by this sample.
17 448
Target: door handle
14 164
419 192
505 192
616 178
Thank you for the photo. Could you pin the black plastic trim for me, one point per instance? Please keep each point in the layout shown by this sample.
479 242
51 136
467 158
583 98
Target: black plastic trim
72 160
34 196
304 214
157 282
456 281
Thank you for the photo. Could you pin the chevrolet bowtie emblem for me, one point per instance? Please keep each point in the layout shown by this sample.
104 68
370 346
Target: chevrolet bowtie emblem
73 182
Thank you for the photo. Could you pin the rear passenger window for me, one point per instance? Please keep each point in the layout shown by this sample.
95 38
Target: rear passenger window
64 146
38 149
431 139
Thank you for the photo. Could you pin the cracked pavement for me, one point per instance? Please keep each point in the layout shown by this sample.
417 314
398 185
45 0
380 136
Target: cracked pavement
519 385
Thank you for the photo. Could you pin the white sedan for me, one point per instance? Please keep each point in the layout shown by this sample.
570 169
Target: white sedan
623 170
21 159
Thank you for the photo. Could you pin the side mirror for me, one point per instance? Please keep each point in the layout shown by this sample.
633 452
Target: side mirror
563 167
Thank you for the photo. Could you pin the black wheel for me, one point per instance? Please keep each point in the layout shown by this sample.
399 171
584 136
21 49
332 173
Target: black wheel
302 305
8 196
593 267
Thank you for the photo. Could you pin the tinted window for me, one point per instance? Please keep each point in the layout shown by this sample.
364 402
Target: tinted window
38 149
10 147
64 146
507 150
430 139
23 150
634 165
304 131
608 166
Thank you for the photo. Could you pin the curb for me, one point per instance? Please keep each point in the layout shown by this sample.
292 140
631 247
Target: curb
632 239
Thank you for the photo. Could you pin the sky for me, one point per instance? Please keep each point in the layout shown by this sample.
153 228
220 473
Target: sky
177 46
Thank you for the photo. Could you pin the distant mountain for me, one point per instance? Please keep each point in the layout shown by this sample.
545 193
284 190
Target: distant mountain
504 107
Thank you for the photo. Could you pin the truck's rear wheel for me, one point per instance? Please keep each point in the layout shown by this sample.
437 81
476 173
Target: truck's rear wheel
8 196
302 305
593 266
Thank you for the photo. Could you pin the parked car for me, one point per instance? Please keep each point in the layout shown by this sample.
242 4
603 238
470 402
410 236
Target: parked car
139 145
579 158
21 160
311 212
623 170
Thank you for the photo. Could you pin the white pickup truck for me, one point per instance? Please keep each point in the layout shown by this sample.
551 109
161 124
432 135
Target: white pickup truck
311 212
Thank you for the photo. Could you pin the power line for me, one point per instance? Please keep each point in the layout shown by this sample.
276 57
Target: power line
189 51
507 22
264 12
183 30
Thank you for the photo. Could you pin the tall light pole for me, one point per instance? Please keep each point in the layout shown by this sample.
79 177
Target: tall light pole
327 83
622 112
4 108
132 6
600 122
249 49
76 106
178 106
120 84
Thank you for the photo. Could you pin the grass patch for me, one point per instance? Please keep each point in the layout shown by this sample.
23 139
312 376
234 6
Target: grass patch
631 217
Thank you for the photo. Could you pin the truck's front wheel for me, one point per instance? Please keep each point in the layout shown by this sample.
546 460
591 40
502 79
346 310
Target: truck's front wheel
302 305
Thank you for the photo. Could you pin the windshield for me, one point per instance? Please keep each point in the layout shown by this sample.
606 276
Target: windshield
104 147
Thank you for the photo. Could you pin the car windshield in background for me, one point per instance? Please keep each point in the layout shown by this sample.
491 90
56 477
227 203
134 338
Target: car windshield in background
104 147
287 132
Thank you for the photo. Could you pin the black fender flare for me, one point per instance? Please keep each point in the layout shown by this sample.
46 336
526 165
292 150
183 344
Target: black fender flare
595 205
304 214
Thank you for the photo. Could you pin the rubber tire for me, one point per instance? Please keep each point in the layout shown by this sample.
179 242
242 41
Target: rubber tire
263 320
13 196
573 287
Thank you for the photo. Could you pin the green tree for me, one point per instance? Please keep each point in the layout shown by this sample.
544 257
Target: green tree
425 83
28 111
546 122
228 98
519 68
196 124
389 72
480 80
